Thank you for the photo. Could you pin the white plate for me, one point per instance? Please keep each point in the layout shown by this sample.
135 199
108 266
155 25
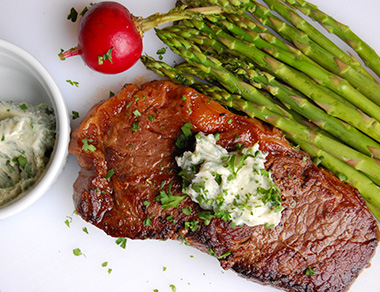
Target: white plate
36 246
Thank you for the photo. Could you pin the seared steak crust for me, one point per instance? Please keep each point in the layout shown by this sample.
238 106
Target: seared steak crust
325 225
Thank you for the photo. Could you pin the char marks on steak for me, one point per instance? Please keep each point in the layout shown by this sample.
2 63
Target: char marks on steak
325 225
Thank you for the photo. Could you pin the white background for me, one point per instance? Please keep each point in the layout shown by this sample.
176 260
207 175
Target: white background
36 246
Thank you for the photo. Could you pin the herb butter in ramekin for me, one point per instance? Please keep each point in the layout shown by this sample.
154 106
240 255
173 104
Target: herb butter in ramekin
27 136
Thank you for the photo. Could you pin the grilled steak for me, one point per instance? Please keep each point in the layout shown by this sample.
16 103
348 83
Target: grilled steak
126 148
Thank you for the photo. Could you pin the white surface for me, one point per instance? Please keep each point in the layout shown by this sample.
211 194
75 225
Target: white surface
34 86
36 246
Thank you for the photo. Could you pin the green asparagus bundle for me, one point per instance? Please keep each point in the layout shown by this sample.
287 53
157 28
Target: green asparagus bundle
297 80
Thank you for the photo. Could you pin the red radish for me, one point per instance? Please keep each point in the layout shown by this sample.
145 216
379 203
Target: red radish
110 37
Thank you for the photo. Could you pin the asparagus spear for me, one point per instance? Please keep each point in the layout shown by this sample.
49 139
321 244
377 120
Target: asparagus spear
297 80
368 54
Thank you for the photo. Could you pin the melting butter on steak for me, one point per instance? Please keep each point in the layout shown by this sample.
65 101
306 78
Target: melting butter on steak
325 225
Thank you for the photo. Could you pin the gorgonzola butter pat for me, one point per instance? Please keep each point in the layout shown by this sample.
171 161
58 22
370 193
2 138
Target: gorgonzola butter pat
234 185
27 135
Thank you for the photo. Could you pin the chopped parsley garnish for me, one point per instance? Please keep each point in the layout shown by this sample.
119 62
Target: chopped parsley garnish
122 241
184 137
85 230
21 161
77 252
109 174
206 216
268 226
151 118
217 178
223 214
309 271
171 219
84 10
68 221
183 240
74 115
73 15
174 289
137 113
186 129
224 255
147 221
87 146
198 187
135 126
271 196
128 105
168 200
105 264
161 52
73 83
23 106
186 211
106 56
192 225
